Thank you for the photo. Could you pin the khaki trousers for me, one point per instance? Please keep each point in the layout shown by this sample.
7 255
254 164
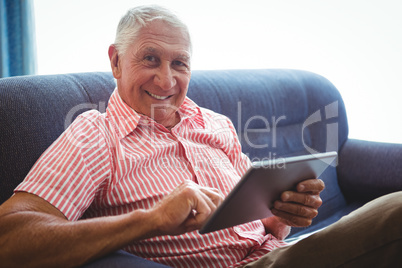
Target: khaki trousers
368 237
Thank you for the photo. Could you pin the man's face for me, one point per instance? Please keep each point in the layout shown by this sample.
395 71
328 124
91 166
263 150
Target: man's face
153 75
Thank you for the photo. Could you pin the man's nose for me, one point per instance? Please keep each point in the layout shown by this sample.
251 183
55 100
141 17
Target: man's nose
164 77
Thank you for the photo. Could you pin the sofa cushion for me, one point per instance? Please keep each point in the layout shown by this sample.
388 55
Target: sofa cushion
122 259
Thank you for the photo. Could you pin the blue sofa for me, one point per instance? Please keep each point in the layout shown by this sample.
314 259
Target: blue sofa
276 112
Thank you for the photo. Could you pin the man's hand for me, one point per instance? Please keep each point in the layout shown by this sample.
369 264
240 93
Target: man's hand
298 208
186 208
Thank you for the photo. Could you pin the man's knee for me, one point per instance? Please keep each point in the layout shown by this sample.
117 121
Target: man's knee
392 201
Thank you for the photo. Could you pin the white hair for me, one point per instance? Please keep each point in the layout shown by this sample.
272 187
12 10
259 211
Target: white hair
138 18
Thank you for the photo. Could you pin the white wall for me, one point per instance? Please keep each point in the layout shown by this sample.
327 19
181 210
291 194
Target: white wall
356 44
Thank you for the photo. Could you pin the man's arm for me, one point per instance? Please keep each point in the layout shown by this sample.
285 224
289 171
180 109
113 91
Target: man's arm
295 209
34 233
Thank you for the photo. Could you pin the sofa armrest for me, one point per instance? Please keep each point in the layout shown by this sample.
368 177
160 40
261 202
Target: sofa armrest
367 170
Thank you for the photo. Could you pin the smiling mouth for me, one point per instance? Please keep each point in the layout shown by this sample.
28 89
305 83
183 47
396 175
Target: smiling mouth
157 96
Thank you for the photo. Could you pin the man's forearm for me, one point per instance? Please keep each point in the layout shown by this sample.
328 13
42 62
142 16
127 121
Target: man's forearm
38 239
35 233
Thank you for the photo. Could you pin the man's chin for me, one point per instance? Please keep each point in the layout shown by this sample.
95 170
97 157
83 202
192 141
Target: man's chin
168 118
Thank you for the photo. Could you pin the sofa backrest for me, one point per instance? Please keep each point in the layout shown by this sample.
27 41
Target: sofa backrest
276 113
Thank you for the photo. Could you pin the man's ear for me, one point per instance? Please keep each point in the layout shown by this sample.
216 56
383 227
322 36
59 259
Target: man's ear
114 61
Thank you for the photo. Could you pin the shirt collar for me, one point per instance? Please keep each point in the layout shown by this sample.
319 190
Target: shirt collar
125 119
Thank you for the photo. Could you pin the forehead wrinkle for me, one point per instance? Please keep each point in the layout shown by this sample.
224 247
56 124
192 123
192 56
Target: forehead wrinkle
184 55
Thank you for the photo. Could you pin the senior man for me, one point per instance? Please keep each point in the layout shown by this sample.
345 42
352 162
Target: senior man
130 178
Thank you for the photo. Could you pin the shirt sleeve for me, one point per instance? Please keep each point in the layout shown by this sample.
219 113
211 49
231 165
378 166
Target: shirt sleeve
69 172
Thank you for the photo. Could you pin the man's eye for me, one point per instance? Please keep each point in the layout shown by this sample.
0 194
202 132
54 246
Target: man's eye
150 58
179 64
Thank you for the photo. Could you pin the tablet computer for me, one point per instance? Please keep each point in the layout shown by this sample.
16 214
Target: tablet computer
256 192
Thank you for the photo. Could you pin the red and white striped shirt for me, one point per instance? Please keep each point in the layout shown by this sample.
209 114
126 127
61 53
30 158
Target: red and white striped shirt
119 161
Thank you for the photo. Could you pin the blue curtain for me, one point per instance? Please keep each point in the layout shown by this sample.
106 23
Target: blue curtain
17 38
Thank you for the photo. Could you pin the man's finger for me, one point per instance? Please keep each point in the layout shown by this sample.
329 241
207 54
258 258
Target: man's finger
295 209
310 200
312 186
202 208
291 219
214 194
